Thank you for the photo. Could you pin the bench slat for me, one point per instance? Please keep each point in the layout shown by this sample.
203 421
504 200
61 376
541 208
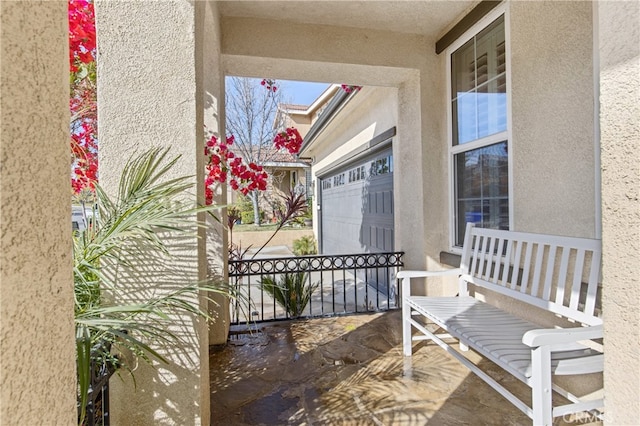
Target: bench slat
535 285
516 265
592 286
507 263
562 276
558 240
491 261
577 280
524 285
498 262
482 260
548 280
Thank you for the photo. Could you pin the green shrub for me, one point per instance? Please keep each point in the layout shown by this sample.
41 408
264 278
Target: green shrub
247 217
290 291
244 203
304 246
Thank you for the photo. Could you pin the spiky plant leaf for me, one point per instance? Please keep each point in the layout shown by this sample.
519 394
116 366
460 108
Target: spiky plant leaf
291 291
137 227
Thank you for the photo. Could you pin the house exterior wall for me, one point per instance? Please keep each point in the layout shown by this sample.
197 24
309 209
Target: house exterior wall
37 335
618 37
371 112
554 168
299 121
153 90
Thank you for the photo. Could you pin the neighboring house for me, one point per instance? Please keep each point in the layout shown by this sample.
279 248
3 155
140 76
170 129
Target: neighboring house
285 173
302 117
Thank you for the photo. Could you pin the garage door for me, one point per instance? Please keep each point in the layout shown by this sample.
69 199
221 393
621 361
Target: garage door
357 207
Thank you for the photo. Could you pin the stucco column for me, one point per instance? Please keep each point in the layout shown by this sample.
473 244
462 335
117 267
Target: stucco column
211 83
37 347
151 83
617 29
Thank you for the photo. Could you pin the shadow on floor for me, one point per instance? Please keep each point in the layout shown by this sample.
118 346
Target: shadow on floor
349 371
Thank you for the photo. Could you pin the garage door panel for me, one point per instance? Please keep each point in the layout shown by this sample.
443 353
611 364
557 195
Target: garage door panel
357 216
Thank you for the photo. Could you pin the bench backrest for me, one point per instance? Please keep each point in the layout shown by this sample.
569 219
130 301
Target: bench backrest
555 273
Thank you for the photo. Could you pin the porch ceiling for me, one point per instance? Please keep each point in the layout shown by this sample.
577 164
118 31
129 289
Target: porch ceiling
427 18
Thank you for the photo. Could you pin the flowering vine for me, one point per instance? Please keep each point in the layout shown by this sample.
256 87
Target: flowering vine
83 97
269 84
349 88
82 33
289 139
223 164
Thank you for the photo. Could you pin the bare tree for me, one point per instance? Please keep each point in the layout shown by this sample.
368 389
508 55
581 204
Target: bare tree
253 119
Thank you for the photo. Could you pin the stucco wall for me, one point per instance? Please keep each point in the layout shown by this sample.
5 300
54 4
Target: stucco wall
211 84
371 112
37 346
619 50
552 94
363 57
151 93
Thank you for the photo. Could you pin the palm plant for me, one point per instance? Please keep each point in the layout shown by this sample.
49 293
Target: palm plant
305 245
290 291
149 214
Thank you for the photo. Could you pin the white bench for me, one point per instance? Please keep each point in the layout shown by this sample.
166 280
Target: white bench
556 274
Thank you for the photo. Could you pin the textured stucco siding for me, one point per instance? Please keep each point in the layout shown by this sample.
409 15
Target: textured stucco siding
554 180
151 92
619 49
372 111
37 347
211 86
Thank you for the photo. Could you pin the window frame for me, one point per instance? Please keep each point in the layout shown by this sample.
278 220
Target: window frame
452 151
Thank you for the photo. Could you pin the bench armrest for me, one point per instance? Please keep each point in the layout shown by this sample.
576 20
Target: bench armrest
423 274
559 336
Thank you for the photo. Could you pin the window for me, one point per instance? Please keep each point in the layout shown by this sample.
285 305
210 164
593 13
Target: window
479 130
381 166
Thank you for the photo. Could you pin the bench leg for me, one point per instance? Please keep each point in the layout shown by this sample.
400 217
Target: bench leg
406 318
542 387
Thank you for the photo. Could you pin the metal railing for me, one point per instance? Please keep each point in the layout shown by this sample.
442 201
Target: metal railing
333 285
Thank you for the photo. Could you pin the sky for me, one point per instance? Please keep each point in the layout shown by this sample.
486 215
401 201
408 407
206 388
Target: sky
302 92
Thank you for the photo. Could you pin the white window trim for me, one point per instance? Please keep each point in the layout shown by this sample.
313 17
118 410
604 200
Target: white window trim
502 9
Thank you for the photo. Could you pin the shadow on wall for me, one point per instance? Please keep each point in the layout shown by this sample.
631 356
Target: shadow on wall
167 383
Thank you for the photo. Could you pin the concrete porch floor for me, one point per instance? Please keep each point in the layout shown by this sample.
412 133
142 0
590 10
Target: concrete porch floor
350 371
